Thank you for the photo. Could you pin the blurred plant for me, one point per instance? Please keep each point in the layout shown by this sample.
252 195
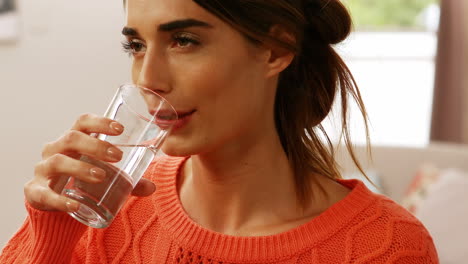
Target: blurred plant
387 14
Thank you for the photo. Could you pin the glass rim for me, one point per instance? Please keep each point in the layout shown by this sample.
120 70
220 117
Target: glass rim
159 96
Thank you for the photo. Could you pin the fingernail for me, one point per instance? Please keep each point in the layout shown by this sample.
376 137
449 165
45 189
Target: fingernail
116 127
72 206
98 173
153 188
114 153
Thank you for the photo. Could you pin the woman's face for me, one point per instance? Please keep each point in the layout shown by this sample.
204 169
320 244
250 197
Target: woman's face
214 77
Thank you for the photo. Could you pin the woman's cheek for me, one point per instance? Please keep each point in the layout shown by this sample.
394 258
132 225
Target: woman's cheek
136 68
204 79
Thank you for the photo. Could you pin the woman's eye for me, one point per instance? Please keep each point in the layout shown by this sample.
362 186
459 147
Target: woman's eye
185 40
133 46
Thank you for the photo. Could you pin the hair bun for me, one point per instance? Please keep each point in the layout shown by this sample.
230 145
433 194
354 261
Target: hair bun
329 19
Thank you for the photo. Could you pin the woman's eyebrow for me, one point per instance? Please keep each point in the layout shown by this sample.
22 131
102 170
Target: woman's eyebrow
181 24
170 26
128 31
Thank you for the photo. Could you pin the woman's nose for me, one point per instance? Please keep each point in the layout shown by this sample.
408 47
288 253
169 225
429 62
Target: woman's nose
154 73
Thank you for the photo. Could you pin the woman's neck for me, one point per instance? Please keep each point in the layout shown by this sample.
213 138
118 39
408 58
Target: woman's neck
239 190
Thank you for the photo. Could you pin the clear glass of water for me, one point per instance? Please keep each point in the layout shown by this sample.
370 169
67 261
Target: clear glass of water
147 119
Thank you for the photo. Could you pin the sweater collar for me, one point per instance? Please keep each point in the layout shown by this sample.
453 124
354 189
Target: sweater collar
192 237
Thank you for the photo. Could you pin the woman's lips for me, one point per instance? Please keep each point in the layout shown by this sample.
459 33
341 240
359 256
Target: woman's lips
165 119
184 114
183 119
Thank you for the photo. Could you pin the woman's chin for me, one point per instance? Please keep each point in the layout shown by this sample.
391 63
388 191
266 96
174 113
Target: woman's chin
176 151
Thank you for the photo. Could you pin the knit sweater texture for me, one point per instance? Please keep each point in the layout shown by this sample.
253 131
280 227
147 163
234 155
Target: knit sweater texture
362 228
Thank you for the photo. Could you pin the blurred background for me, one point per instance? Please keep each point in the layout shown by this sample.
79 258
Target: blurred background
58 59
392 56
61 58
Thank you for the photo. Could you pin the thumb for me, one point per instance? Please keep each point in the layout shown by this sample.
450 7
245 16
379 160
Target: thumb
144 188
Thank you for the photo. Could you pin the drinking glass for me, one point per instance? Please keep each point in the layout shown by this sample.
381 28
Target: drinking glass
147 119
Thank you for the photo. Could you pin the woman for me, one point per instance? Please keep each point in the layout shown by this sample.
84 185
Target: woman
247 179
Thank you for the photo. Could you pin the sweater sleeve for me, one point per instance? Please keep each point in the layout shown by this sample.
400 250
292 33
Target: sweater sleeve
44 237
419 248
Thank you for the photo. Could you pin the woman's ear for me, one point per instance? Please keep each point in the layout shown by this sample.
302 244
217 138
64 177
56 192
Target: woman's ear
279 58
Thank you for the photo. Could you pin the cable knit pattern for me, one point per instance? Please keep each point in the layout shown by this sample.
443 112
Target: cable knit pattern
362 228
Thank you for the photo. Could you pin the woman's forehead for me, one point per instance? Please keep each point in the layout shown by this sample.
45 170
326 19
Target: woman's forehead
165 10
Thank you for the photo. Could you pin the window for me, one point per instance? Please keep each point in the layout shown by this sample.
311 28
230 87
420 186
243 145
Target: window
391 54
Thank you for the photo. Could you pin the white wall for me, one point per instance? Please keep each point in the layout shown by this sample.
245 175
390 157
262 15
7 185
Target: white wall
67 61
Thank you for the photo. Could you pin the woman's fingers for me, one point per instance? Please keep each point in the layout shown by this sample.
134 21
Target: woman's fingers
59 165
90 123
44 198
60 161
41 192
144 188
75 142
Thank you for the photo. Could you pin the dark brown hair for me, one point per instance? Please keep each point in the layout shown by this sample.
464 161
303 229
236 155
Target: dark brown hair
308 87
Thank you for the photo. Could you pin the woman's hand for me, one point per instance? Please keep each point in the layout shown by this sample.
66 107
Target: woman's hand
60 160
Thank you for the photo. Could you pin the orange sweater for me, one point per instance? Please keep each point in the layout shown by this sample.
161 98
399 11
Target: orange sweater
361 228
